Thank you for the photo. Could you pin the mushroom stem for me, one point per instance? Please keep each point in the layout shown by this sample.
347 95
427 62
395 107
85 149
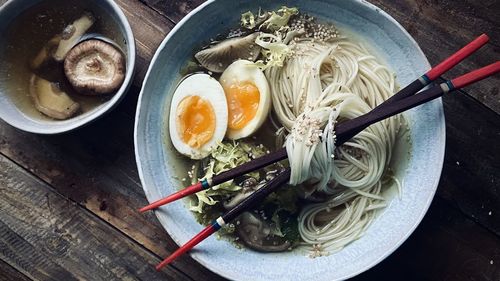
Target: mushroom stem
45 53
71 34
50 100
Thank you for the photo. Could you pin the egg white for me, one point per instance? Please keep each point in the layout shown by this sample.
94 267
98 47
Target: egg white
241 71
209 89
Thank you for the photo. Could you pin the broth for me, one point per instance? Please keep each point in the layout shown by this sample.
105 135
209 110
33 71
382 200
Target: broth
27 35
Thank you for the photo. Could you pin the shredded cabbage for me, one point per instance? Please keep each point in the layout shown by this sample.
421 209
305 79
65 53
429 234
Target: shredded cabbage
248 20
275 52
279 19
225 156
274 49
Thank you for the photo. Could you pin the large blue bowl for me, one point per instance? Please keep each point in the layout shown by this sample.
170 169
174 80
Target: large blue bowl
420 173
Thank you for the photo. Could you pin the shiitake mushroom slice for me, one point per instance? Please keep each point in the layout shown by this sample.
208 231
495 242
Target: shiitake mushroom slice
218 57
50 100
71 35
45 53
256 234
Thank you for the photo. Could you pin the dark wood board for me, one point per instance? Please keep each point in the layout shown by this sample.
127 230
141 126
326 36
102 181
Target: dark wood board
471 173
49 237
174 10
149 29
445 246
441 27
95 167
8 273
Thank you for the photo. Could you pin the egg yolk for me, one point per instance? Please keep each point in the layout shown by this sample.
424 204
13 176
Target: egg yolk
195 121
242 103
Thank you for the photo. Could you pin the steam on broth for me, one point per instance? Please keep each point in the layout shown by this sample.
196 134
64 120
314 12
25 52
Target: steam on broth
286 80
36 28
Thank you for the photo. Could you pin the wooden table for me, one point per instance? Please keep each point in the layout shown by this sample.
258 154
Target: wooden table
68 203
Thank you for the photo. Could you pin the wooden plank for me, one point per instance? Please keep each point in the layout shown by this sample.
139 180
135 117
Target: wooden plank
48 237
174 10
149 29
445 246
95 167
470 177
8 273
442 27
98 172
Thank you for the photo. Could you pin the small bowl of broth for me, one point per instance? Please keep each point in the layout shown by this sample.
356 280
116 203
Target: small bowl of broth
63 63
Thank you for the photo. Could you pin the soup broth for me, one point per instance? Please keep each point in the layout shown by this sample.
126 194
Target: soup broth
30 32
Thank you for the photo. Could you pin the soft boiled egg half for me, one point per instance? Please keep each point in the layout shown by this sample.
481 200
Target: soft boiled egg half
248 98
198 116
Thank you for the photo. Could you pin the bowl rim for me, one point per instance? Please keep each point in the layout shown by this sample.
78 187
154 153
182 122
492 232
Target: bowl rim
440 150
50 129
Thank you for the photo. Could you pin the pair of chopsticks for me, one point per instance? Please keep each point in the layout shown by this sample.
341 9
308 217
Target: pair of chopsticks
401 101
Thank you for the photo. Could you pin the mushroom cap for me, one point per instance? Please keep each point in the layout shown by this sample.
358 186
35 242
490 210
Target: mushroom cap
256 234
218 57
95 67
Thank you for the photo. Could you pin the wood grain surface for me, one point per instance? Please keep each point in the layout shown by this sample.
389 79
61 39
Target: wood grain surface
68 204
441 27
9 273
49 237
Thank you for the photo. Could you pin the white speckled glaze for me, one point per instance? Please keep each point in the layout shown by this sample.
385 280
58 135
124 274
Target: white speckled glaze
156 160
15 117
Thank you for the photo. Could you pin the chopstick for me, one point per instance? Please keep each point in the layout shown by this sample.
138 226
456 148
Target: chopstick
244 205
281 154
346 130
354 126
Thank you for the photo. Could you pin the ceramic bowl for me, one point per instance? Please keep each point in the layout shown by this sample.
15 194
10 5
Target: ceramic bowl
12 113
418 167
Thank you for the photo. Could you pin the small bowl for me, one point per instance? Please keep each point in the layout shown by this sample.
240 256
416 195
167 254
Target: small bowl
11 113
418 167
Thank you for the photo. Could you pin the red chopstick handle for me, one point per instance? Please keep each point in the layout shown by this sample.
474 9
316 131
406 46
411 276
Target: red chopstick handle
457 57
476 75
209 230
176 196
